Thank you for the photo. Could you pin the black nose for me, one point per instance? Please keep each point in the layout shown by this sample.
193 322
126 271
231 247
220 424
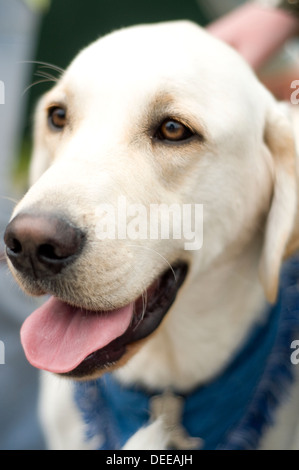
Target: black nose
42 245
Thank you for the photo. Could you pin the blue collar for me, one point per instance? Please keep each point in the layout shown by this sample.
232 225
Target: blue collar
232 411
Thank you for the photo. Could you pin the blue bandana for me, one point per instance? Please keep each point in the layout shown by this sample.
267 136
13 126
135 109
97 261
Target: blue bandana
232 411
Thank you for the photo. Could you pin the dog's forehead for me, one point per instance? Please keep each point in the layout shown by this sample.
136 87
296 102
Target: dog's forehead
129 71
141 44
175 52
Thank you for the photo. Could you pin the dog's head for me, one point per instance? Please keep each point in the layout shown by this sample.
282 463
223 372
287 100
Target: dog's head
144 117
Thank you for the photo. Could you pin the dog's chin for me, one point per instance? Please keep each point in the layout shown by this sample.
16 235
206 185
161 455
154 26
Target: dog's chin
99 341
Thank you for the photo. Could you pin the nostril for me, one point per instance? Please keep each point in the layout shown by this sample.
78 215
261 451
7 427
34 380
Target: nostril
42 244
14 246
49 253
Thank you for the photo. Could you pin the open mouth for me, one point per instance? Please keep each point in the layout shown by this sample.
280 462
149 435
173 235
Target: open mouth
75 342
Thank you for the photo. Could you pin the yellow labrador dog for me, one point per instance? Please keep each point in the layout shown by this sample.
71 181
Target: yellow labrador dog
161 335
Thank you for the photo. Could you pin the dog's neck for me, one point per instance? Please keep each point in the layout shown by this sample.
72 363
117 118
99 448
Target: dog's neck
201 334
234 419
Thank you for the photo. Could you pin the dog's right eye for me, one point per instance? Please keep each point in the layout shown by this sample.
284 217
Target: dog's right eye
57 118
173 131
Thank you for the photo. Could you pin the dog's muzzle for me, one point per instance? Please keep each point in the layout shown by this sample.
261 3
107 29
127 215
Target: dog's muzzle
40 246
62 336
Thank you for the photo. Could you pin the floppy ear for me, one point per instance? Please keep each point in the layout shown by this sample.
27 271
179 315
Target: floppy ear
293 243
280 238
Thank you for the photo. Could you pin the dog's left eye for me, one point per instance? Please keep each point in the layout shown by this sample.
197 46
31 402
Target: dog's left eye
172 130
57 118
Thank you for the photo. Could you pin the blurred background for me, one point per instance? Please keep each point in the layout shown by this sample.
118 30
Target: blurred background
53 31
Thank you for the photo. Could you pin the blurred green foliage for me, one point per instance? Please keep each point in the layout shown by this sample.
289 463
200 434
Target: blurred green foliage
70 25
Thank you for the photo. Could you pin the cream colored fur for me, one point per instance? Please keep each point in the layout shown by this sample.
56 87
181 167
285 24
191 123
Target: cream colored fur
244 172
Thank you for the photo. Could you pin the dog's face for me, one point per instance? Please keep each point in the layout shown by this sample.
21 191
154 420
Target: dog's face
149 115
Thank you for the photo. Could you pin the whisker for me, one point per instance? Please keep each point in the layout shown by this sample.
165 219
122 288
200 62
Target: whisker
159 254
11 199
144 304
35 83
44 64
51 67
44 74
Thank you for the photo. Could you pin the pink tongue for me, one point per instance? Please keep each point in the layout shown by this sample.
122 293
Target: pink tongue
58 337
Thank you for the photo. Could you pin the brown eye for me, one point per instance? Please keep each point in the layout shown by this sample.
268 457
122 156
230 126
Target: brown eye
173 131
57 118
